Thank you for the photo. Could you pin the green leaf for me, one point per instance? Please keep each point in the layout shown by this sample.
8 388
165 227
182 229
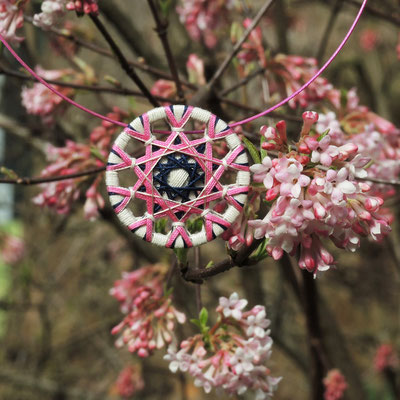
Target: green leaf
9 173
203 317
320 137
255 155
196 322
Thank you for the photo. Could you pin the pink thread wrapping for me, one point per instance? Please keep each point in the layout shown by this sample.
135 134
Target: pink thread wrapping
145 189
242 122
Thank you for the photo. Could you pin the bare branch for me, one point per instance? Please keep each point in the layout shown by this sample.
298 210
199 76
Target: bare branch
161 29
238 45
123 61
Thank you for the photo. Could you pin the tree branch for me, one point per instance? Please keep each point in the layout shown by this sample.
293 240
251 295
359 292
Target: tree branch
123 61
240 259
158 73
161 29
90 88
238 45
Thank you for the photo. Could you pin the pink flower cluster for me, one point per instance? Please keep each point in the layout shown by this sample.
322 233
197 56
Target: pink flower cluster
11 19
38 100
294 71
386 358
335 385
314 193
240 233
12 249
151 317
202 18
53 10
74 158
83 6
376 138
232 355
129 381
252 49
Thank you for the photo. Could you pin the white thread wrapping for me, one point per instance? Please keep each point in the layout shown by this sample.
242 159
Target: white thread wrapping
242 178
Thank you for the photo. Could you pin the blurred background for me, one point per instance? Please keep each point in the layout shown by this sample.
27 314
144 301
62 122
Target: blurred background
56 271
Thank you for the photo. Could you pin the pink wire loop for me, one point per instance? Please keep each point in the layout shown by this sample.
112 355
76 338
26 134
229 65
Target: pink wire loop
242 122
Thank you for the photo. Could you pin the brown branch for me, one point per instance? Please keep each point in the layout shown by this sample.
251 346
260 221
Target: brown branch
123 61
158 73
243 81
47 179
393 18
238 45
318 366
161 29
240 259
90 88
336 7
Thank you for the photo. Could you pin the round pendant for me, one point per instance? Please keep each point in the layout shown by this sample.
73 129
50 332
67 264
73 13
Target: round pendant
186 185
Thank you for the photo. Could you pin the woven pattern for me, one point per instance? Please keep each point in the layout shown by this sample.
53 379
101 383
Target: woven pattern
179 178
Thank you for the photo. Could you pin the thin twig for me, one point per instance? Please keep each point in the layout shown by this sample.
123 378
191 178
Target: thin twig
47 179
123 61
161 29
241 259
393 18
337 5
199 302
238 45
158 73
243 81
90 88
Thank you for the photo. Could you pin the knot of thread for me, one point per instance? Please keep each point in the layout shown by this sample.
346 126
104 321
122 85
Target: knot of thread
177 129
207 138
225 191
205 212
133 192
149 216
178 223
224 164
150 140
133 162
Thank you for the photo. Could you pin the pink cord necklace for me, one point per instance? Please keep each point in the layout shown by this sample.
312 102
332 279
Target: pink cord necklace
244 121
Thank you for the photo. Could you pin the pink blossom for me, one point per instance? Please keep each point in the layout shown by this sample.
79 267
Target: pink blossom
231 355
83 6
317 198
164 88
12 249
51 12
11 19
203 18
385 358
195 70
129 381
38 100
368 39
94 201
295 71
74 158
151 317
252 49
240 233
335 385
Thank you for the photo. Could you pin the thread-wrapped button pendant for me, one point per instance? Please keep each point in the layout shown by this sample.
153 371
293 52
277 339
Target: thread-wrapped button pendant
186 185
